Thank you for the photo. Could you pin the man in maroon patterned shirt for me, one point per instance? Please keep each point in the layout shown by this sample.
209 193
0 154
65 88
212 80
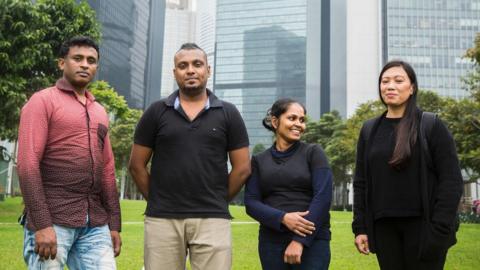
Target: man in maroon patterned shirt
66 170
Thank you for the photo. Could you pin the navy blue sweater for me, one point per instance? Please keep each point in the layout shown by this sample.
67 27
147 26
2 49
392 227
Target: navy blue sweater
298 179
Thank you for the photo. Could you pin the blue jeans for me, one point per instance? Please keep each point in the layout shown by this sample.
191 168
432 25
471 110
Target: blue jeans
315 257
85 248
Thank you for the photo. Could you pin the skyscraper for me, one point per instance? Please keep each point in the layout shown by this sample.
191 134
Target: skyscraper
267 50
187 21
179 28
433 36
363 53
132 35
205 32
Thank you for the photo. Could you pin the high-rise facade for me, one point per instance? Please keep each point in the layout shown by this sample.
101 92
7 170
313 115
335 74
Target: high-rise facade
187 21
363 53
433 36
132 40
179 29
205 32
266 50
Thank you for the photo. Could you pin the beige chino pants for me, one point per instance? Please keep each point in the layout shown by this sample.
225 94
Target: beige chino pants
208 241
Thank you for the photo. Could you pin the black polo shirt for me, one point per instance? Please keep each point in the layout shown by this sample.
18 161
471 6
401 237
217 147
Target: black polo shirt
189 174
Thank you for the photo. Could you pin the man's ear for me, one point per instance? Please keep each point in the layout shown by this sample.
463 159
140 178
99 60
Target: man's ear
61 63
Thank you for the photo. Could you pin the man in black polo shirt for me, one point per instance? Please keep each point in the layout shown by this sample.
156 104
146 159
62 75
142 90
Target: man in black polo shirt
188 188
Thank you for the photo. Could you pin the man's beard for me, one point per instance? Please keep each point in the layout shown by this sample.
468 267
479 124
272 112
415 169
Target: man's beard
77 84
192 90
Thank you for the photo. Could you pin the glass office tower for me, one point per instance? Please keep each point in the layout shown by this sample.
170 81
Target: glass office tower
433 36
131 47
260 57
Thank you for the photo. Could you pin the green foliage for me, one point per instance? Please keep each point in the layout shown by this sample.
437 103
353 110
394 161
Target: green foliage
121 135
322 131
258 148
67 19
430 101
474 52
123 123
109 98
30 37
463 118
469 218
330 132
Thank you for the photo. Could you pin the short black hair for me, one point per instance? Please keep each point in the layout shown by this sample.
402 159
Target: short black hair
77 41
191 46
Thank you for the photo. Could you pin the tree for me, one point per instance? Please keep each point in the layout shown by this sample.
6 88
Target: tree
463 118
67 18
258 148
122 127
430 101
123 120
329 132
30 37
121 135
322 131
113 102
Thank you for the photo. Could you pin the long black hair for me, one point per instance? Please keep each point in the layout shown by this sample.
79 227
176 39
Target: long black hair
278 108
406 131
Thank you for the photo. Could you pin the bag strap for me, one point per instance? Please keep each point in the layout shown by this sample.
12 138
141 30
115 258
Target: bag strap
427 122
426 126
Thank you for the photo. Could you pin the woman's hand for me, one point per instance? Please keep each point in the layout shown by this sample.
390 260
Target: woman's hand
297 224
361 242
293 253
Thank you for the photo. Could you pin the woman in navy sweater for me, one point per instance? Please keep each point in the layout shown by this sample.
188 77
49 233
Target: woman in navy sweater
405 207
289 193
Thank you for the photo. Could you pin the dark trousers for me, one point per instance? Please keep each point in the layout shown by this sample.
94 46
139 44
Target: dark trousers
315 257
397 242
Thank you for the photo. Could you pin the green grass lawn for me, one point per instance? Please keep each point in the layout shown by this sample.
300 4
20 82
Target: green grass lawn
463 256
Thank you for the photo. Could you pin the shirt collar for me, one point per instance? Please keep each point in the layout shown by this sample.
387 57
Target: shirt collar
66 86
174 101
176 104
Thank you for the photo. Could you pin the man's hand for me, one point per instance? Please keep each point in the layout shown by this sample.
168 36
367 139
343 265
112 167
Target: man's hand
46 243
297 224
361 242
293 253
116 242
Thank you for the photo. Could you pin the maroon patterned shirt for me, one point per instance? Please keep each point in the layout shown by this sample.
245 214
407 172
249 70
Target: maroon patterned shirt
65 161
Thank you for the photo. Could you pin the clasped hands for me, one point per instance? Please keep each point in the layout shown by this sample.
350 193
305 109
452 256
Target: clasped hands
296 223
